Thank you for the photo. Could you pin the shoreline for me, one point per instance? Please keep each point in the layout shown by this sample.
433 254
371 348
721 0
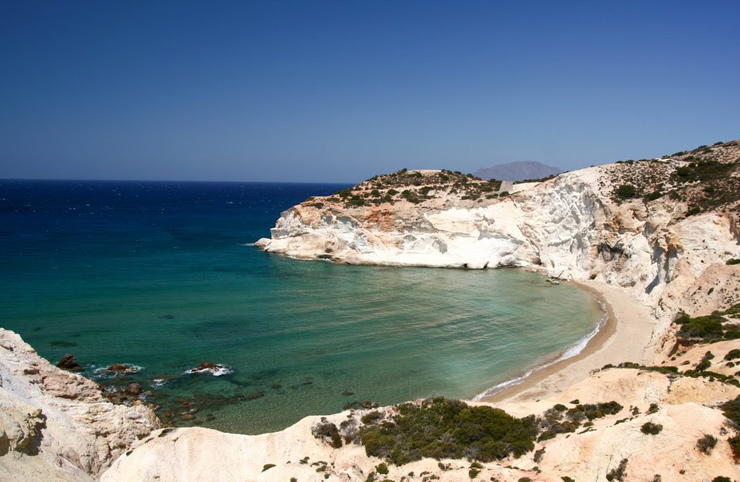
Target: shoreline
624 336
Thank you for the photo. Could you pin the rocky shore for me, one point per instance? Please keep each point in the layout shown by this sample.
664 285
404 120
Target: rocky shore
657 238
57 425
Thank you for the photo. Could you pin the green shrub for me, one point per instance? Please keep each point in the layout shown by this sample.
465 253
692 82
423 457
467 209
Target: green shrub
567 479
654 195
735 446
653 408
441 428
706 444
626 191
328 432
618 473
721 478
650 428
731 410
705 362
732 354
733 261
381 469
693 210
267 467
709 326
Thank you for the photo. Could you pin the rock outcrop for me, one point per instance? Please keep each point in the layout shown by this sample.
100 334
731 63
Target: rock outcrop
654 226
666 230
56 425
196 454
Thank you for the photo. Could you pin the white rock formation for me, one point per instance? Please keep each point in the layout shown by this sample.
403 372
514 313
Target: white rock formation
56 425
570 226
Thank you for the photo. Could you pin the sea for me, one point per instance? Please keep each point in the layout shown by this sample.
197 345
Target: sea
163 276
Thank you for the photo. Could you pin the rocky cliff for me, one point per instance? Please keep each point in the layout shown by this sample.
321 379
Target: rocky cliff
665 230
653 226
56 425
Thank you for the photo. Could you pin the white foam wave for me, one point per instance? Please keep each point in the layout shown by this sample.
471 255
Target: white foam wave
216 371
569 352
103 372
159 383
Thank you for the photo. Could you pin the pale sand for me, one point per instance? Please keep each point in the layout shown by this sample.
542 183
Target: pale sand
625 337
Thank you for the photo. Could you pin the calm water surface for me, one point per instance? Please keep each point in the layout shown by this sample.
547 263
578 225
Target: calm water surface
161 276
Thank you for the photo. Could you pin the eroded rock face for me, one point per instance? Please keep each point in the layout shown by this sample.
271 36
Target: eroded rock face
56 425
197 454
573 226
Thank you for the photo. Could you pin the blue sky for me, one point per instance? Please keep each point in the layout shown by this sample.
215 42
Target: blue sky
340 91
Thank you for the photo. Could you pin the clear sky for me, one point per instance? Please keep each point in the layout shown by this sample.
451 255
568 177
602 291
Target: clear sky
340 91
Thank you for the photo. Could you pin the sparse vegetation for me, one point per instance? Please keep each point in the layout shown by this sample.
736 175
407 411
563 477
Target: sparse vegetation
709 328
618 473
706 444
626 191
556 421
441 428
411 186
650 428
328 432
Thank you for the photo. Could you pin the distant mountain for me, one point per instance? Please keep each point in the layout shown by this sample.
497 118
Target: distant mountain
517 171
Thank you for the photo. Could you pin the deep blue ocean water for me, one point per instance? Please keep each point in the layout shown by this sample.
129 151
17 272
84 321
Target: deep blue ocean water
161 275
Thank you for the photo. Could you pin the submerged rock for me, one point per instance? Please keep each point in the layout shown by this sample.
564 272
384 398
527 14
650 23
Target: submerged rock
121 368
133 389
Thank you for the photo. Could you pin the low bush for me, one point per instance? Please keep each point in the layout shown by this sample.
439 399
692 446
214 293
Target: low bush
618 473
650 428
626 191
733 261
440 428
732 354
328 432
705 362
735 446
706 444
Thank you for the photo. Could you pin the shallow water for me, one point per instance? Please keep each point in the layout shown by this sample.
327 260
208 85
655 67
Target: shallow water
159 275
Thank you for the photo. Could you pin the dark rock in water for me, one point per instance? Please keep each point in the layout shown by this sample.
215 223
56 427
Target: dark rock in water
63 344
212 368
68 362
120 368
254 395
187 416
277 386
133 389
168 317
347 393
210 417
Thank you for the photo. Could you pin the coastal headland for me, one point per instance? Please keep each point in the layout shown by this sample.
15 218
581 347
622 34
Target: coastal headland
652 396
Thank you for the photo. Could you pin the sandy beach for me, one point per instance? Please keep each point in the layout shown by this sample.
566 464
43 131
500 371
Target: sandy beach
625 336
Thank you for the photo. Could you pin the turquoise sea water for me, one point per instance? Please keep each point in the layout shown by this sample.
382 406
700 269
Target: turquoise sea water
161 276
